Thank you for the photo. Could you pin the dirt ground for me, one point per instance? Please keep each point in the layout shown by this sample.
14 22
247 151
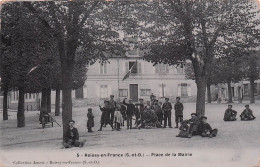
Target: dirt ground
237 143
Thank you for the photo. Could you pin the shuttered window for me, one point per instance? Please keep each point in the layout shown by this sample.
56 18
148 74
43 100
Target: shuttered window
184 90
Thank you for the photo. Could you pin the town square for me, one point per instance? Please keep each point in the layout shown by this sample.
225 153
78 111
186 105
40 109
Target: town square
125 83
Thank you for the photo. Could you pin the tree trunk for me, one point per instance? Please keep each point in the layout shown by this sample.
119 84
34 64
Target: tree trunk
66 110
57 103
239 95
229 92
5 105
44 101
252 90
201 95
48 99
20 112
209 93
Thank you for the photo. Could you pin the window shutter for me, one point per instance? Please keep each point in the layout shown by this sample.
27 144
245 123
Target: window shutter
189 90
109 90
139 67
126 67
105 68
167 68
160 90
101 68
98 91
179 90
156 68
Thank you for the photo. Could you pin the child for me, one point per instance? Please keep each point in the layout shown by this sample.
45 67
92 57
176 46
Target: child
72 137
247 114
205 129
118 118
230 115
90 122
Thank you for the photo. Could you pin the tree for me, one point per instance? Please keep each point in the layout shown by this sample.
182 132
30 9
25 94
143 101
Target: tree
87 26
21 51
194 30
252 71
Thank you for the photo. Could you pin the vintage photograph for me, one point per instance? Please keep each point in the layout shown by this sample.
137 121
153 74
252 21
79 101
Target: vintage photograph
130 83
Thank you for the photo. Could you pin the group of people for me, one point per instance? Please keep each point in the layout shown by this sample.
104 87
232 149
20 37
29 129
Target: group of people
246 115
153 114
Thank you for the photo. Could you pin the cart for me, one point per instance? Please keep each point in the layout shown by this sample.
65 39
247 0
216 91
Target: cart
46 119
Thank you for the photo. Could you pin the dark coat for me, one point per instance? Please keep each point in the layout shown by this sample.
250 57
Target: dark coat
72 134
178 107
229 114
112 105
167 107
90 122
130 108
105 116
204 127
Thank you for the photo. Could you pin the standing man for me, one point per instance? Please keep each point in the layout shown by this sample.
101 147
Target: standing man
129 112
112 106
178 107
167 111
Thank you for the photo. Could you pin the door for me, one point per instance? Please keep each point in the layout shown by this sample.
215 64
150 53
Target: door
134 92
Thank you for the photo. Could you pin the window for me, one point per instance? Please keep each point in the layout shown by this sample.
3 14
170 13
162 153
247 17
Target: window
246 89
184 90
103 68
34 96
30 96
145 92
136 69
103 91
79 93
161 68
123 92
162 89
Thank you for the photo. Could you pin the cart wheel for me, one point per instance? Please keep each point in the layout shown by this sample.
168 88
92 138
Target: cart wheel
43 123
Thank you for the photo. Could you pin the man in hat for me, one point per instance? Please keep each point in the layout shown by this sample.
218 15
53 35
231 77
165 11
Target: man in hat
189 127
112 105
205 129
158 110
178 107
247 114
105 116
129 112
230 114
72 137
167 111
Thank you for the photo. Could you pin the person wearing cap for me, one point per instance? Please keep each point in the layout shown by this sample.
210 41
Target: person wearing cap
112 105
167 111
205 129
230 114
247 114
129 112
105 117
118 118
158 110
189 127
178 107
90 122
72 137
